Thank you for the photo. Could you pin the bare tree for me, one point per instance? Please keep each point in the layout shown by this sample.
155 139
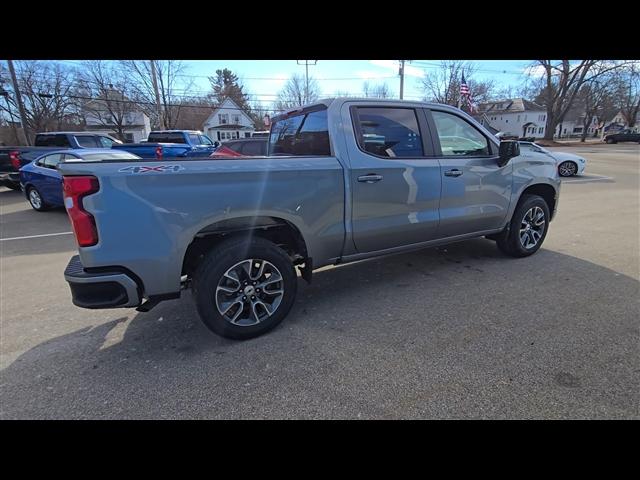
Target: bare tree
376 91
168 72
561 81
443 85
105 91
627 87
294 93
46 89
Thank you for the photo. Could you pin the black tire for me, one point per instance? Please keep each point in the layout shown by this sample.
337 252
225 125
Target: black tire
610 140
509 241
212 269
570 168
13 185
32 193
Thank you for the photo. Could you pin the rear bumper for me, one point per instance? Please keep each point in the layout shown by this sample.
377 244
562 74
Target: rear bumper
104 289
9 178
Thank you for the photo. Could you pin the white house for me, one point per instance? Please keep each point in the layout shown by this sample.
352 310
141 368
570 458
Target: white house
619 122
573 124
516 116
99 120
228 122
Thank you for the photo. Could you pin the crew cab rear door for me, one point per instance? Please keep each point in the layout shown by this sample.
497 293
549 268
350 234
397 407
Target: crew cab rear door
395 175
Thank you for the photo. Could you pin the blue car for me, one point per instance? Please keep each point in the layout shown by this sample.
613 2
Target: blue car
42 183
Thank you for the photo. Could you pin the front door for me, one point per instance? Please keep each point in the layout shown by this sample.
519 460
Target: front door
476 192
395 176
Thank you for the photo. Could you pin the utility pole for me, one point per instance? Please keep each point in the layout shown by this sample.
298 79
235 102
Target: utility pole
401 73
23 116
306 76
154 79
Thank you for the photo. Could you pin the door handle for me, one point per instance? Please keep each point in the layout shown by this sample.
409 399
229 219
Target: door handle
370 178
453 173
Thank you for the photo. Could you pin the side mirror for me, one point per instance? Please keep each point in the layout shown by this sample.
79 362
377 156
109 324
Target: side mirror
508 150
216 144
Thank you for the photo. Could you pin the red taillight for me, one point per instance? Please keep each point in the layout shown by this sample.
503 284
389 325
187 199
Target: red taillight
83 223
14 157
159 151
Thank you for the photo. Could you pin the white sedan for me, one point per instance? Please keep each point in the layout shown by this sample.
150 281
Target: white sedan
569 164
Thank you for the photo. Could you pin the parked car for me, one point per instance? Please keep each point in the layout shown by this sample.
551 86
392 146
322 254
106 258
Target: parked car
249 146
42 182
627 135
569 164
260 134
346 179
13 158
172 143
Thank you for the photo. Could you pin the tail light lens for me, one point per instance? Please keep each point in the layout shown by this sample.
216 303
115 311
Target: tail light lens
159 151
83 223
14 157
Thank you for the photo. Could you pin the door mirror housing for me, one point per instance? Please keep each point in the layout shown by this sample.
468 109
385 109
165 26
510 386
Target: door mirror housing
508 150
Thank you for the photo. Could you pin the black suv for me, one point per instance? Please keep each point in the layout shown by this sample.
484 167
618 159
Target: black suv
627 135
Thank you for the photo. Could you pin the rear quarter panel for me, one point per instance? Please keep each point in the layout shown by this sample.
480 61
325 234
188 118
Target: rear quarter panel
147 220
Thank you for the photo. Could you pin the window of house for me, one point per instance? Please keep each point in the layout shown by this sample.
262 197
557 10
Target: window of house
541 129
389 132
234 135
223 118
457 137
247 135
306 133
128 137
236 119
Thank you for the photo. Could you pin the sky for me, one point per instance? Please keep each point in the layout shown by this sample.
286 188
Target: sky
264 78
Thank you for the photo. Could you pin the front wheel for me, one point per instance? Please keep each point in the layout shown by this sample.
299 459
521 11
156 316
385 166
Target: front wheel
527 229
244 288
610 140
567 169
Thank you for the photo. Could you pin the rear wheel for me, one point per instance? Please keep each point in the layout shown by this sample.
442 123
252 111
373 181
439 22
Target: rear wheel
610 140
567 169
244 288
35 199
527 229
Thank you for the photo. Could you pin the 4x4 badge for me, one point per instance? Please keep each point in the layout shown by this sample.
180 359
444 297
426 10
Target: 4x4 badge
159 168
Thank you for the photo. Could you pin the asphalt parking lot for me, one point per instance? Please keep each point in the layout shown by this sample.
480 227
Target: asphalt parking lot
455 332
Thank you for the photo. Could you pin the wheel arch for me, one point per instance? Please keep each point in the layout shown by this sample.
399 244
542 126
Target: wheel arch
275 229
547 191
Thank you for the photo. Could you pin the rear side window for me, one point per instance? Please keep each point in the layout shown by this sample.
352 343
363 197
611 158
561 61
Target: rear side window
458 137
167 138
86 141
300 135
50 161
389 132
52 141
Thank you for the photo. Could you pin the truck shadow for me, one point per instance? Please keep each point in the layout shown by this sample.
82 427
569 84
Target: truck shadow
156 364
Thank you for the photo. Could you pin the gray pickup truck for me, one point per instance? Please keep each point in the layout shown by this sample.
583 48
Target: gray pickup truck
345 179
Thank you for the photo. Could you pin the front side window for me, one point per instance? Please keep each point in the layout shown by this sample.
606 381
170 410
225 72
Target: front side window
389 132
86 141
300 135
204 140
194 139
105 142
458 137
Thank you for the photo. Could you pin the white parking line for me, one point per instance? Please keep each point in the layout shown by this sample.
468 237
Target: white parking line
35 236
596 178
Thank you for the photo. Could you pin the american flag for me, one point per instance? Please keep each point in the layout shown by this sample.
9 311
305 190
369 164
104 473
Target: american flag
466 93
